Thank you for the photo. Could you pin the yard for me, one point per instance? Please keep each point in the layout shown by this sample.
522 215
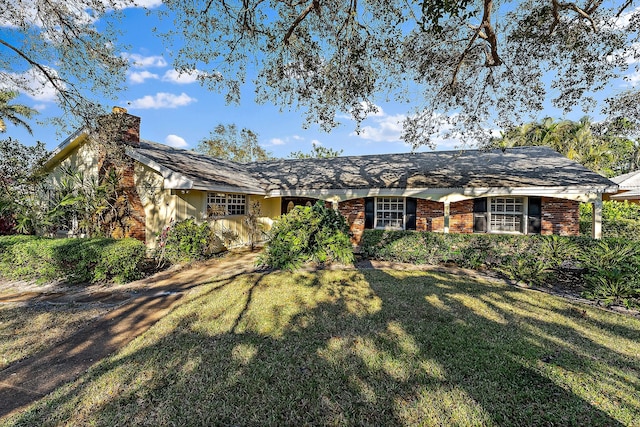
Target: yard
362 347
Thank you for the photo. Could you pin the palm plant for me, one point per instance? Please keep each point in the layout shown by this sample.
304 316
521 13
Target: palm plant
14 113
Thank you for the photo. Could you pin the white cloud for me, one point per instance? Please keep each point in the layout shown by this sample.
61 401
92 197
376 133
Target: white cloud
137 77
175 141
316 142
149 4
175 76
383 129
623 21
140 61
633 79
162 100
277 141
32 83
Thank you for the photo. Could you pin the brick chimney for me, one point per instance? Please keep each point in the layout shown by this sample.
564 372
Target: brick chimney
121 126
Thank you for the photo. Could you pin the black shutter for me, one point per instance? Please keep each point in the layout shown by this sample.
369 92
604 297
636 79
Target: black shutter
480 215
369 212
411 205
535 215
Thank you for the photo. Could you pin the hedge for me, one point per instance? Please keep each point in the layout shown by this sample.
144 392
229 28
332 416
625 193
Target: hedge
71 260
608 269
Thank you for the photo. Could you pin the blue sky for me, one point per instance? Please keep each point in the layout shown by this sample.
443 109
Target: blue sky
177 111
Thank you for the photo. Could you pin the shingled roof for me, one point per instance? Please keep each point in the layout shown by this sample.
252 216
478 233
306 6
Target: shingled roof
183 169
629 186
515 167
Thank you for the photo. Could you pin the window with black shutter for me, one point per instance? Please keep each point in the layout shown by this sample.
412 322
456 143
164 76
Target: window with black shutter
480 215
369 212
411 206
534 220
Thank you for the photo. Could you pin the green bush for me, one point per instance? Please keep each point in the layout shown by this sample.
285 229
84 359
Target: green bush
610 268
188 241
71 260
307 233
620 219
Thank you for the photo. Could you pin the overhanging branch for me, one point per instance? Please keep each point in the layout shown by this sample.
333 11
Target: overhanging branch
314 5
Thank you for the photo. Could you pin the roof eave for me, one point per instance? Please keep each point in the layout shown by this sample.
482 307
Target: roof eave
65 147
582 193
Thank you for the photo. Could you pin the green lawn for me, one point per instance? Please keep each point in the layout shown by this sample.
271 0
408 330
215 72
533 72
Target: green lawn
363 348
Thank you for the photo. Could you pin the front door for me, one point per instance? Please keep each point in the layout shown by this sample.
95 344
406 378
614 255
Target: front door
289 203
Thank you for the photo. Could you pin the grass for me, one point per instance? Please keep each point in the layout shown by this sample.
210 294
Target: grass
364 347
24 331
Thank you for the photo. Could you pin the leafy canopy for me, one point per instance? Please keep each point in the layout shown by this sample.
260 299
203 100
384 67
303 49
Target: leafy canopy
317 152
466 66
53 49
610 148
226 142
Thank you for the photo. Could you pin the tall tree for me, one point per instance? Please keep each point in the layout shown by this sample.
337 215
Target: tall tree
603 147
14 113
226 142
465 65
317 152
54 49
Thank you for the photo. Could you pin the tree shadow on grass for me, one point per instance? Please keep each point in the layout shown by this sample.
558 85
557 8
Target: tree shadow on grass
345 348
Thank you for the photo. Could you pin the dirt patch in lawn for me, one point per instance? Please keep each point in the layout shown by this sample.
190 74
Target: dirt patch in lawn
129 310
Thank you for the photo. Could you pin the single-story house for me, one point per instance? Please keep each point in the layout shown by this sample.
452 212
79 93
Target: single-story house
628 187
528 190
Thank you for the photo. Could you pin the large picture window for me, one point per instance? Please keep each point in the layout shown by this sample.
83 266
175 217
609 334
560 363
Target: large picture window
507 214
220 204
390 212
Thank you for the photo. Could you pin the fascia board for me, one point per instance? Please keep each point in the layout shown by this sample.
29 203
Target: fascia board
230 189
65 147
449 194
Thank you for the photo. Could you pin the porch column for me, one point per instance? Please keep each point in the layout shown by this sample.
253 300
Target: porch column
596 221
447 210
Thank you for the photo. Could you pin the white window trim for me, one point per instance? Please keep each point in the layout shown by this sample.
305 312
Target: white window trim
375 213
226 203
525 215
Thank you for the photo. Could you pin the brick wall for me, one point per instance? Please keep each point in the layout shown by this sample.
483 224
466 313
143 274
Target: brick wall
461 217
429 215
128 216
353 211
560 216
135 222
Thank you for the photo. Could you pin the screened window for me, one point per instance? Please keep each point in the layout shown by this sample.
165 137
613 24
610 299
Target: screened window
390 212
507 214
219 204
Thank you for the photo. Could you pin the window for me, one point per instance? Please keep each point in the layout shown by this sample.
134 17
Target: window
507 214
219 204
390 212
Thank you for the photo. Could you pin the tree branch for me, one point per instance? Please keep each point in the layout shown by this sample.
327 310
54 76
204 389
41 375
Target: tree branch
485 32
53 80
315 4
622 9
558 6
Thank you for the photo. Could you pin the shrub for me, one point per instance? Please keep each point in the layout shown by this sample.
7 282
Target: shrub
188 241
620 219
307 233
72 260
610 268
